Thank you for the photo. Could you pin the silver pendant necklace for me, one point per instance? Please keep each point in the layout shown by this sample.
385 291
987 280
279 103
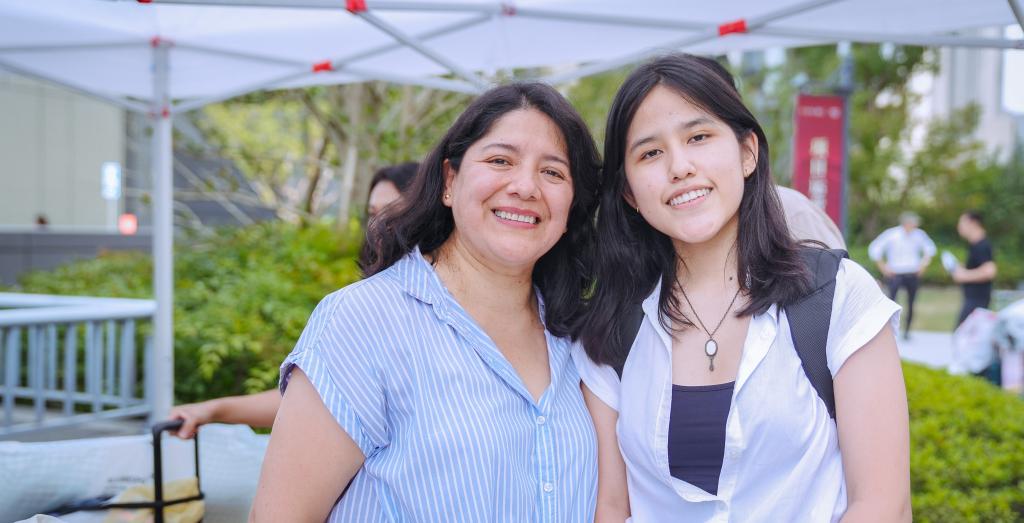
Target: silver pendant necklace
710 346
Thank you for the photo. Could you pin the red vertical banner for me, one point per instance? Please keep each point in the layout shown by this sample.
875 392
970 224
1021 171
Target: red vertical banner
819 152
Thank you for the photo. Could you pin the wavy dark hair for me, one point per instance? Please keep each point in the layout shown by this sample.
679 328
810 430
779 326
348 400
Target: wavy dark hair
563 273
633 255
400 174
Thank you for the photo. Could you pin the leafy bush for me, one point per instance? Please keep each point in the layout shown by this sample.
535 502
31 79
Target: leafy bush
966 449
242 297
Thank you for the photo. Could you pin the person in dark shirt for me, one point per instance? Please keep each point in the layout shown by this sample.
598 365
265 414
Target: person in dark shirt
976 277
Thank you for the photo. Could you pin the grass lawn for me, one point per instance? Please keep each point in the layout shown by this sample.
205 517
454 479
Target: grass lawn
935 309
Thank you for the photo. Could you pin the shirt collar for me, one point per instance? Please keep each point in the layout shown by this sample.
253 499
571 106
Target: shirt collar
418 278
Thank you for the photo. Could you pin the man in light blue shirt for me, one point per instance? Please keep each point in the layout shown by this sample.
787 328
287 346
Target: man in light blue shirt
902 253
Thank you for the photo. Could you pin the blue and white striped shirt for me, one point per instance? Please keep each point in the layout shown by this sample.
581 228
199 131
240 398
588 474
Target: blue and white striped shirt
449 430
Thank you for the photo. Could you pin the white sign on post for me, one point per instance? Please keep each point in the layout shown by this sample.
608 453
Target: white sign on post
110 190
110 181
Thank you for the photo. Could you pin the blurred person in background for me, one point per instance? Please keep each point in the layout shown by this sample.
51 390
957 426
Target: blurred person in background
975 278
259 409
387 186
902 254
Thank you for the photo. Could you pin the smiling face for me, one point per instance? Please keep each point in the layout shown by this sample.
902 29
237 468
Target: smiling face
511 196
685 168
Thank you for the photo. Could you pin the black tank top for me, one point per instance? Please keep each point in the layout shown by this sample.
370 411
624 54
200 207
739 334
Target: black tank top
696 433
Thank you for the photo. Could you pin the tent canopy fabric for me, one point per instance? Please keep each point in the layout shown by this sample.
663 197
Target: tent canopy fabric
176 55
230 47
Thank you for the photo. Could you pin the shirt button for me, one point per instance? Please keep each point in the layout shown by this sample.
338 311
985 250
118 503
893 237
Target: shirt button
548 487
541 420
734 453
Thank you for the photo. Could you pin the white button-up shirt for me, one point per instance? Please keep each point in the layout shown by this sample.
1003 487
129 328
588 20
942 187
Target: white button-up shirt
782 460
903 251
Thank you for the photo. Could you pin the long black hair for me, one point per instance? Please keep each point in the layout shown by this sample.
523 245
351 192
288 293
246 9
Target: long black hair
633 254
562 274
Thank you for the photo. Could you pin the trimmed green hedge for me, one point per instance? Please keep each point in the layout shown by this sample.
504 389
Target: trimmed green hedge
967 449
243 297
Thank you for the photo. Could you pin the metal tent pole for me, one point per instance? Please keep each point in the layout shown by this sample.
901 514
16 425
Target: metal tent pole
416 45
119 102
441 84
1018 13
846 87
163 236
384 26
341 64
704 35
486 7
924 40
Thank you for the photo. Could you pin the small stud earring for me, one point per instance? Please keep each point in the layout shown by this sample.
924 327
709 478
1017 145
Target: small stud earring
447 196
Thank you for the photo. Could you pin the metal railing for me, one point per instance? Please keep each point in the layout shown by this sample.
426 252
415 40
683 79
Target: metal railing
70 360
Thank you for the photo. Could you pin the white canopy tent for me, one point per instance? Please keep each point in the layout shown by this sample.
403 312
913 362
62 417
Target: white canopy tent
183 54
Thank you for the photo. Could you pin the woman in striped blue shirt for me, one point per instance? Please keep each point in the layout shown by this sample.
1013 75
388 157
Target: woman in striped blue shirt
440 388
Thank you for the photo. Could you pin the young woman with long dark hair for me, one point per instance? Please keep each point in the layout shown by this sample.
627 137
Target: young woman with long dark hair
705 412
440 388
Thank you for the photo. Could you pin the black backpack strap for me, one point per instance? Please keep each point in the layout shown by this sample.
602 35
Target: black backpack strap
634 317
810 317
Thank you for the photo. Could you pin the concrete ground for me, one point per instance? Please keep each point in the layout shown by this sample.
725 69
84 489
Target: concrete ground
934 349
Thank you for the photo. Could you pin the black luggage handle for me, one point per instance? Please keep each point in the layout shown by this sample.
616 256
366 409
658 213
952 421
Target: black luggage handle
158 502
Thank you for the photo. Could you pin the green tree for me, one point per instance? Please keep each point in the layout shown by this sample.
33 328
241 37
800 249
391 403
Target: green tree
310 152
880 120
592 97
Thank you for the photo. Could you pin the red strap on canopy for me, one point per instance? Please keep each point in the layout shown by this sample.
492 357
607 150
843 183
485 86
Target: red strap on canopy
320 67
737 26
355 6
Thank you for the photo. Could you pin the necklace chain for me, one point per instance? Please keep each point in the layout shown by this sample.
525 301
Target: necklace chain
710 346
711 334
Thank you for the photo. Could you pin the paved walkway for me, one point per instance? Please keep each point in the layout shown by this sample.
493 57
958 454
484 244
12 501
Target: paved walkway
92 429
934 349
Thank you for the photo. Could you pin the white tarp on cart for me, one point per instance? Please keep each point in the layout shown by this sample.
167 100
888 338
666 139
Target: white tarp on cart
40 477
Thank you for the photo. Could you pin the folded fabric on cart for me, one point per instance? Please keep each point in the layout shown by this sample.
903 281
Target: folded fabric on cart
39 477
